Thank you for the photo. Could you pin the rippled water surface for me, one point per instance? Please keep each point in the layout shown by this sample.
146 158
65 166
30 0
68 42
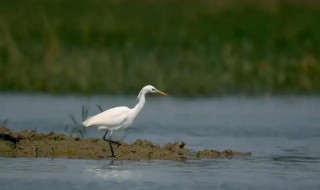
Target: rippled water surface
281 132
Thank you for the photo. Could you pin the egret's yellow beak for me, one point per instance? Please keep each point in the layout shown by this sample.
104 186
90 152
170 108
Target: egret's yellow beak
162 93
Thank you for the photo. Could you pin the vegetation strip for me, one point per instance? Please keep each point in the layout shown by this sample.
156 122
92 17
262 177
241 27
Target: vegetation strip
189 48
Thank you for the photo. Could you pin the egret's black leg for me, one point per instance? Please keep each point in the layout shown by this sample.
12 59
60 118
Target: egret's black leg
110 141
111 149
104 136
105 139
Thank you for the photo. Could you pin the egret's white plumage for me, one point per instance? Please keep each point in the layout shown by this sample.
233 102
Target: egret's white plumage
120 117
111 119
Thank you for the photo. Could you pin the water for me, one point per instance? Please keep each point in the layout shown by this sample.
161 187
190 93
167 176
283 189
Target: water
281 132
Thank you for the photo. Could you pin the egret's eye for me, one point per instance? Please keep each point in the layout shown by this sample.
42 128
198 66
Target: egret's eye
153 89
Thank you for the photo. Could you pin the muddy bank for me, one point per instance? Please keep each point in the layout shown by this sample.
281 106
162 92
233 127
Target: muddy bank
52 145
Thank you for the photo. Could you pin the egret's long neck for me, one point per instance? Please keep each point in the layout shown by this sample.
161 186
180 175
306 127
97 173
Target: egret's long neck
136 110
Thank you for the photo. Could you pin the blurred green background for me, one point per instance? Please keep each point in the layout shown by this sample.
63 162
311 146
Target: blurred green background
184 47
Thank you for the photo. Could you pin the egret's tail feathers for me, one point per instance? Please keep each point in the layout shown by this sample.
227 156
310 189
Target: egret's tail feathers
87 123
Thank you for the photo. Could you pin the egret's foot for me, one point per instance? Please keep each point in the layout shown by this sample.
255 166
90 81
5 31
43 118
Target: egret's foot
111 141
115 142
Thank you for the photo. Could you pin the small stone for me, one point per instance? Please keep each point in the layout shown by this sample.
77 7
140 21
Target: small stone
181 144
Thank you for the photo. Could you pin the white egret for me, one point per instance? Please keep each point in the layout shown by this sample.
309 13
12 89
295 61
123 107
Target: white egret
119 117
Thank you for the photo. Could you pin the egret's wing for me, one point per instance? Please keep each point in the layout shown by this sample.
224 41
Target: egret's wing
112 117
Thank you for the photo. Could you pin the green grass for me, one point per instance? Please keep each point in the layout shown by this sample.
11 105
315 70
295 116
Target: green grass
188 48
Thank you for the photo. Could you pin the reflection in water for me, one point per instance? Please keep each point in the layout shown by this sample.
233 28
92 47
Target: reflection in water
114 171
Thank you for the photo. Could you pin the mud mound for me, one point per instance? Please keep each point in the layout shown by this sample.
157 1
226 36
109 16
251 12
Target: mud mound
52 145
